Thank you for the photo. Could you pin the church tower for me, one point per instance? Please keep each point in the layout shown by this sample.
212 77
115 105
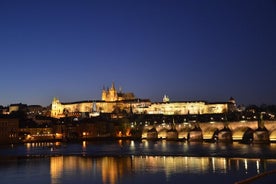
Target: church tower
56 107
232 104
104 94
110 94
113 93
166 98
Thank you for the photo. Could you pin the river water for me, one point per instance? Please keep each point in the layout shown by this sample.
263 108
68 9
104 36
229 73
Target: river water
135 162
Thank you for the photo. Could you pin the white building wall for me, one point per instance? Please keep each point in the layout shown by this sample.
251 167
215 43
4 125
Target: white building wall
167 108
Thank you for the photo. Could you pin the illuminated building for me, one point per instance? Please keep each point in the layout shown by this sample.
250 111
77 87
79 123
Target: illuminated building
17 107
185 107
112 101
37 134
117 102
111 94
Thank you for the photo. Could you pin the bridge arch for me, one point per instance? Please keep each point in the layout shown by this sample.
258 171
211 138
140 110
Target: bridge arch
172 134
183 133
247 131
195 135
162 133
248 136
145 133
210 133
152 134
272 136
239 133
225 135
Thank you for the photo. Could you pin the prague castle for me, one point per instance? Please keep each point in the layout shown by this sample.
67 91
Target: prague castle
114 101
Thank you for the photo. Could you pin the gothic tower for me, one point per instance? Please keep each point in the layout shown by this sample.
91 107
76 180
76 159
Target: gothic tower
113 93
104 94
56 107
110 94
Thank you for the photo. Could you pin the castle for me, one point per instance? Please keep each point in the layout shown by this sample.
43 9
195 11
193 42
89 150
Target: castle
114 101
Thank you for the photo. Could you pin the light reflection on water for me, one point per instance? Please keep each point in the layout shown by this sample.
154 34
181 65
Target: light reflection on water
118 169
133 162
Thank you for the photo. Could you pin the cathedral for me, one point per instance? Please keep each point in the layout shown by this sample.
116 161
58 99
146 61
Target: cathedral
111 94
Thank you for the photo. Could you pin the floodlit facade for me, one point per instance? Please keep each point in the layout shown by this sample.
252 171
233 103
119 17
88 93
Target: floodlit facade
112 102
116 102
183 108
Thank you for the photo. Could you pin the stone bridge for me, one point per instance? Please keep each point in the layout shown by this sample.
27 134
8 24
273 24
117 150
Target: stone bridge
247 131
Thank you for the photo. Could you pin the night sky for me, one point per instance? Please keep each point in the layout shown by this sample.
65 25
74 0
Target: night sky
189 50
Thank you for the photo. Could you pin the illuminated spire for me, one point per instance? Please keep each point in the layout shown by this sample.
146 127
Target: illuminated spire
55 99
166 98
112 86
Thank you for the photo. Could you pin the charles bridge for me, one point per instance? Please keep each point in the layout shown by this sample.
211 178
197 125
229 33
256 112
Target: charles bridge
256 131
243 131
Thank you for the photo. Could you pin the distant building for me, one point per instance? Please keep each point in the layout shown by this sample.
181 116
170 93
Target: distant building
38 113
17 107
9 130
186 107
119 102
36 110
4 110
112 102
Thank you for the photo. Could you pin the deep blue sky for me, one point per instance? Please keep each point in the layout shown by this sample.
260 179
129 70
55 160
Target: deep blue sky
189 50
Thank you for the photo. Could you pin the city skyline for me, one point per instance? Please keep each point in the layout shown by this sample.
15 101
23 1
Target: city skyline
190 51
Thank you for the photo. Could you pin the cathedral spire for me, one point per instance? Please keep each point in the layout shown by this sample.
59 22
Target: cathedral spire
112 86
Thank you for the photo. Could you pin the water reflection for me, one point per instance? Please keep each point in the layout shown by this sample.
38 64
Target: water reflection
258 166
135 162
113 169
84 145
180 164
130 169
116 169
62 166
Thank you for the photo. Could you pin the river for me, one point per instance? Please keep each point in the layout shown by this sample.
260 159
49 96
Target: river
134 162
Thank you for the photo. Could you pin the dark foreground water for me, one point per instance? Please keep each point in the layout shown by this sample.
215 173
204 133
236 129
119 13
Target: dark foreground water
135 162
